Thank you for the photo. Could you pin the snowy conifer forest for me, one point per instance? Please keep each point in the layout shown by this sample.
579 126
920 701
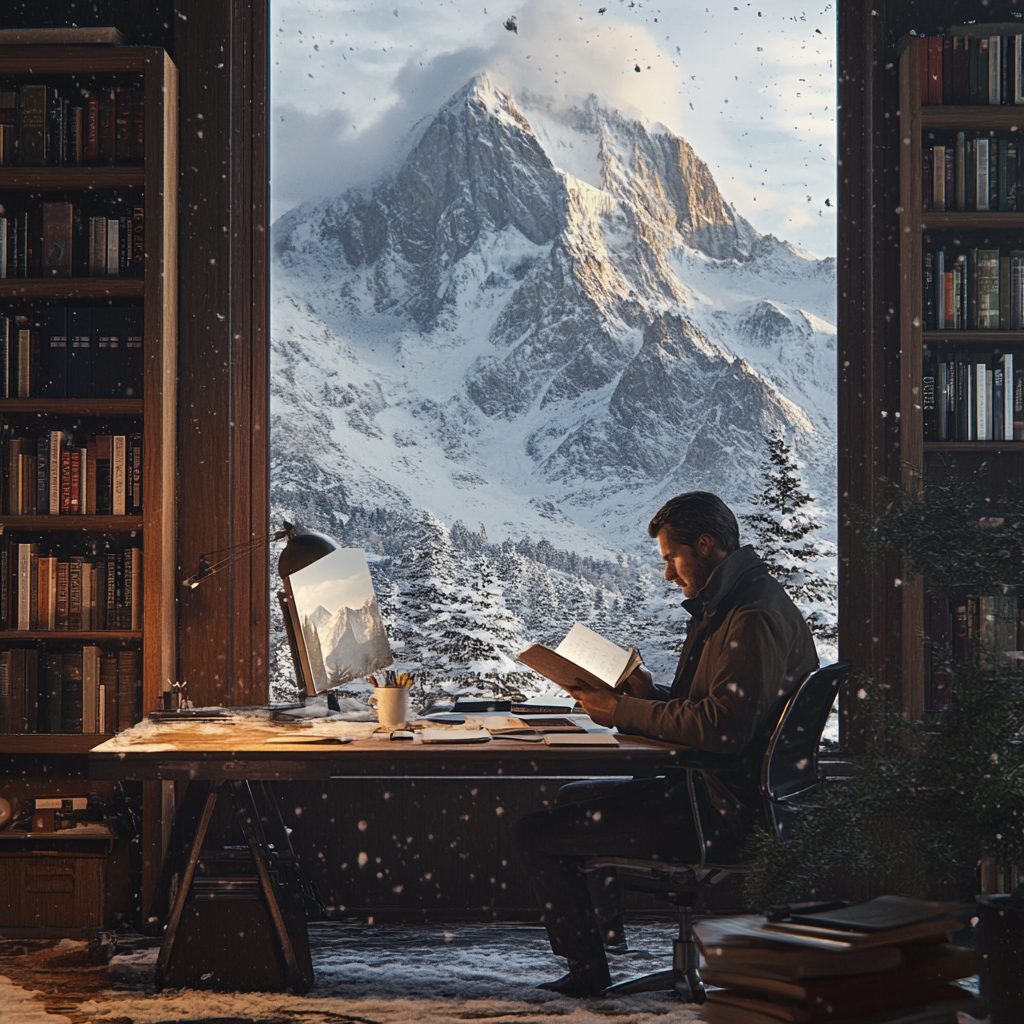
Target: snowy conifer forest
492 367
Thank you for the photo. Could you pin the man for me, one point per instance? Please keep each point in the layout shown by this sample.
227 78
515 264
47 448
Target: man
747 649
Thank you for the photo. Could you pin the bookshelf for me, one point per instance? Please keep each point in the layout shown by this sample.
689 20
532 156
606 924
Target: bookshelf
921 230
153 183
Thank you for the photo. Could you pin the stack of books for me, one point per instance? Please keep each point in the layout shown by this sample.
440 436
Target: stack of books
885 961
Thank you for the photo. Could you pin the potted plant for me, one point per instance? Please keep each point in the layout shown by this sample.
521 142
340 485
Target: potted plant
936 798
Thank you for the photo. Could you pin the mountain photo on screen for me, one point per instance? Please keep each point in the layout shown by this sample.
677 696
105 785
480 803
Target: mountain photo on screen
341 626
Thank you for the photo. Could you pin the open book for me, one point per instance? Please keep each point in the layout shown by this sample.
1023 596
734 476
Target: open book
583 654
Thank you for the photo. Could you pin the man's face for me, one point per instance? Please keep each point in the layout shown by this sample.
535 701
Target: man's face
689 568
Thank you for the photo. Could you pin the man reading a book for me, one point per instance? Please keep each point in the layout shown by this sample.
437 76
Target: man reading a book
747 649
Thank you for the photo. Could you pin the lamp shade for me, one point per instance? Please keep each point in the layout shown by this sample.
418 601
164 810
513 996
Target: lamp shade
304 547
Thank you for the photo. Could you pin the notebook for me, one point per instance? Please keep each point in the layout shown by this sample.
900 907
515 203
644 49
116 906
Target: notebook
581 739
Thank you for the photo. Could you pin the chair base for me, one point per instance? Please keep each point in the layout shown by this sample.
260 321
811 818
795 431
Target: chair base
683 977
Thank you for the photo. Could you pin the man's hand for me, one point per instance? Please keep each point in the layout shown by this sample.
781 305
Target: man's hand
597 699
638 683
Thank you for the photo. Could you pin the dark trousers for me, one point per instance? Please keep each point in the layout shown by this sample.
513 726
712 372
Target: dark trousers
646 819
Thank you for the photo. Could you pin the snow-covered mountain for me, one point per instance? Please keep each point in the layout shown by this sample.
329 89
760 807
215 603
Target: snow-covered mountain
546 322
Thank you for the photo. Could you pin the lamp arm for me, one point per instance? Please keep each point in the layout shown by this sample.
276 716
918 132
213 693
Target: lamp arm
235 553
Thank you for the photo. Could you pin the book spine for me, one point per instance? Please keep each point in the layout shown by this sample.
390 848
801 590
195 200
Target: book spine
123 131
42 475
928 395
106 146
63 614
129 687
108 680
113 246
947 69
998 416
1008 396
927 198
981 175
17 700
54 461
32 126
75 566
111 592
994 68
57 234
54 361
65 482
960 162
31 690
25 362
25 552
137 604
135 492
74 482
118 474
81 323
71 693
90 689
138 154
5 691
138 239
928 291
938 177
1004 293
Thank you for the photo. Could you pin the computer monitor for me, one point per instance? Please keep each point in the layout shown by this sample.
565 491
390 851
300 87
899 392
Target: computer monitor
333 622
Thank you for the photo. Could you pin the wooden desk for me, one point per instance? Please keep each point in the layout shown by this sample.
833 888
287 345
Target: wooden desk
239 750
235 758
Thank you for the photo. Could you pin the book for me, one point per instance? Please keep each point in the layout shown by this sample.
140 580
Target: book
58 233
91 689
860 1006
80 342
582 654
129 688
50 692
108 685
71 695
581 739
882 914
32 125
53 362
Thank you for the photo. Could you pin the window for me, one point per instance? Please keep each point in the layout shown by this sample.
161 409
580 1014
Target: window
533 274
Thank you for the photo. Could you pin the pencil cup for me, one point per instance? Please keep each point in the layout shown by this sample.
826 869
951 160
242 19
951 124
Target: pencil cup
392 706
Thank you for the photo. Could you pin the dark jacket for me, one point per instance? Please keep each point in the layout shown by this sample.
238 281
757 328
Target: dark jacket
747 650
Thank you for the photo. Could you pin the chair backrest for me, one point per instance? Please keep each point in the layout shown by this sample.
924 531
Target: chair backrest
790 766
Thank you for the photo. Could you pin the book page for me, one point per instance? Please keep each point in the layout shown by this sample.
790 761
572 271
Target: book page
591 651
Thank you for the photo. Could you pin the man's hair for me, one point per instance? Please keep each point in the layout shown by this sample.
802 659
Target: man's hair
688 516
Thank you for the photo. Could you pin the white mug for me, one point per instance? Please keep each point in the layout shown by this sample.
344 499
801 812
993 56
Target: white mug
392 706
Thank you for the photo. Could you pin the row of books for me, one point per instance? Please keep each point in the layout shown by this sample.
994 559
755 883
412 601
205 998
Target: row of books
962 627
56 473
876 962
41 127
72 352
972 397
80 690
83 593
976 173
971 68
973 290
59 239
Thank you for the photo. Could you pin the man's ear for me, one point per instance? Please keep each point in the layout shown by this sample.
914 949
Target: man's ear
706 544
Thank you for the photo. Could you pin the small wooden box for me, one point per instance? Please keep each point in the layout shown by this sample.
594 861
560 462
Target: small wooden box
62 892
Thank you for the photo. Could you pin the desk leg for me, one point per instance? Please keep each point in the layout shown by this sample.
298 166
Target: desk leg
186 884
249 821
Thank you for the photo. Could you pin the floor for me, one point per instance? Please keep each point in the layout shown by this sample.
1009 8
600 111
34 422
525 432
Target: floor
365 974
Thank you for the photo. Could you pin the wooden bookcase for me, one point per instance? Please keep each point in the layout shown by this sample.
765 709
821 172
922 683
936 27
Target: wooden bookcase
154 414
949 228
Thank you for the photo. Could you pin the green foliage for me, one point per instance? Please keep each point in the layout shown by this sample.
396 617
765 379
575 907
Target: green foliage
929 801
951 533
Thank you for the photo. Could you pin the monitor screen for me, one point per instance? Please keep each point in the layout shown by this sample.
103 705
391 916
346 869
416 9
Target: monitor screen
339 633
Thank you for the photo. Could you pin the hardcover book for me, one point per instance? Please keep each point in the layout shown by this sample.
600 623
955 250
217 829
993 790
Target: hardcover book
582 654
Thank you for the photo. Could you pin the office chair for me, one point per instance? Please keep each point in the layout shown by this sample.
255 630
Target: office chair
789 771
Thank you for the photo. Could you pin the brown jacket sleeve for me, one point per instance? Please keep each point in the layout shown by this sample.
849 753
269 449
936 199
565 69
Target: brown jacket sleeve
742 672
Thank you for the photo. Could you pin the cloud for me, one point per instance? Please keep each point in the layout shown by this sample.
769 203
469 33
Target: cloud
554 54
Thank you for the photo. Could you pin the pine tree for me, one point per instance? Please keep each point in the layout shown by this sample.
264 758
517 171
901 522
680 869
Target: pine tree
784 525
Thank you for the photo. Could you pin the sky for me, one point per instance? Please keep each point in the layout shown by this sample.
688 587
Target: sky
751 86
340 578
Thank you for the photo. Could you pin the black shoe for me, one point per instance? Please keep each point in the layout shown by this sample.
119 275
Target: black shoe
576 986
617 948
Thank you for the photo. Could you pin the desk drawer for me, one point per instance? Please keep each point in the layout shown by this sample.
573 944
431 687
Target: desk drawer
53 891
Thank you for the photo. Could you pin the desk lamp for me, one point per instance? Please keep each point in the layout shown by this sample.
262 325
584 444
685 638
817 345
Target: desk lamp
304 547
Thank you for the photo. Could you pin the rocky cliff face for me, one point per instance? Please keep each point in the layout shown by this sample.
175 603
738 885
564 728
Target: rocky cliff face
546 321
